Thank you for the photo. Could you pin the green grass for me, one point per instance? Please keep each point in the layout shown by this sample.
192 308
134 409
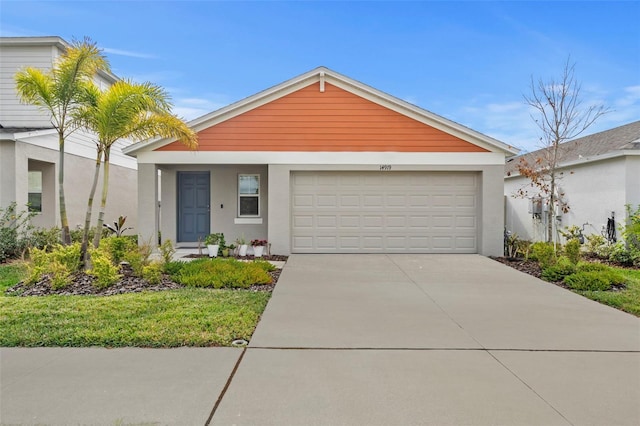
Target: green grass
627 300
185 317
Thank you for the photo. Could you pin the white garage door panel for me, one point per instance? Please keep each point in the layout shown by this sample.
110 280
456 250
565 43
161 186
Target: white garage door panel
388 212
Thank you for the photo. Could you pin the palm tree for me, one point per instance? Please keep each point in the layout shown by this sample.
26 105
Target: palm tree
126 110
57 92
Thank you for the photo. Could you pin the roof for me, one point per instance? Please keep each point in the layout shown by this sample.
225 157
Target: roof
56 41
322 74
598 146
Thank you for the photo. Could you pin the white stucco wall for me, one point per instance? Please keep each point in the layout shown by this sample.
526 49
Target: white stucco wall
593 190
14 166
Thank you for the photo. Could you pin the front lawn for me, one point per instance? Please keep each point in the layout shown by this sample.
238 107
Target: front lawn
183 317
627 300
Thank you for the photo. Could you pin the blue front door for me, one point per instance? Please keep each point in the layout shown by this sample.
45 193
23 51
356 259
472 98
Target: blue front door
193 206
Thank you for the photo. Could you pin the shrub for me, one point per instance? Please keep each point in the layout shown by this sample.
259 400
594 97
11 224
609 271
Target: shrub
594 280
167 251
152 273
588 281
594 242
43 238
173 268
543 253
219 273
621 254
573 232
117 247
14 231
137 257
572 250
58 264
562 268
592 267
103 269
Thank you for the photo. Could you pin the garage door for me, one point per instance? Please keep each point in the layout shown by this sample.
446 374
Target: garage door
384 212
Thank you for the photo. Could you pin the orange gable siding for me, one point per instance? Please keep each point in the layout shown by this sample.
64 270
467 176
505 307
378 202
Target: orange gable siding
336 120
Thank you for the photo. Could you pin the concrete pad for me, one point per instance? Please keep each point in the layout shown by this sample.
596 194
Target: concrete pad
588 388
503 308
340 302
62 386
378 387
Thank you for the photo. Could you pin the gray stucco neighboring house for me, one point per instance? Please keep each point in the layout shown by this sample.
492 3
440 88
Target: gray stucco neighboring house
599 175
29 147
323 163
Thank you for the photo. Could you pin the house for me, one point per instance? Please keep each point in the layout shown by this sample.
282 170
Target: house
325 164
598 175
29 148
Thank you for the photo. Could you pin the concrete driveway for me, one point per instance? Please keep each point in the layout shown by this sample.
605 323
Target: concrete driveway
432 339
362 340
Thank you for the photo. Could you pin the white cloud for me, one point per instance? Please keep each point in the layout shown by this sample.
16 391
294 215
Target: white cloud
190 108
128 53
511 121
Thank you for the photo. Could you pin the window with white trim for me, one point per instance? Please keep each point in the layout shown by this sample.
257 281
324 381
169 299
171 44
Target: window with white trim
248 195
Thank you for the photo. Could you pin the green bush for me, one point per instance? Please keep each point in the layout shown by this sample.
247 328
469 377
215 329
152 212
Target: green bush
588 281
594 280
562 268
543 253
594 242
58 264
620 253
43 238
14 232
167 251
137 257
219 273
118 247
103 269
592 267
152 273
173 268
572 250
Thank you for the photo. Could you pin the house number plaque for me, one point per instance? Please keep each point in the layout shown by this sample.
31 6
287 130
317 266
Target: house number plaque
385 167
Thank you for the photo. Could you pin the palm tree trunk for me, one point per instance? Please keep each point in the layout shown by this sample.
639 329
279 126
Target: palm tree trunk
84 252
66 235
103 202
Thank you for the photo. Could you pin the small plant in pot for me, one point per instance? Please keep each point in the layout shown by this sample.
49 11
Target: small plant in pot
242 246
214 242
258 247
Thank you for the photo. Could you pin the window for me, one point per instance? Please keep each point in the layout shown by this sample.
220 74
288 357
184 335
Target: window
35 191
249 195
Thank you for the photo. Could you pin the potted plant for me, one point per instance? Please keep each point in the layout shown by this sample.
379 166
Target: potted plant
213 242
258 247
232 249
242 246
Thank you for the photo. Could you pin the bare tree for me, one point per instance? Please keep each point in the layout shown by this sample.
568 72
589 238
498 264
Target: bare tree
560 116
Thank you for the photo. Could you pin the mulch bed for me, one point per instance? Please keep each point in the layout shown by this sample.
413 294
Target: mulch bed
527 266
82 284
533 268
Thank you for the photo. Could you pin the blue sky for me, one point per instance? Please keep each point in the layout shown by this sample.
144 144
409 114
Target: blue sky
470 62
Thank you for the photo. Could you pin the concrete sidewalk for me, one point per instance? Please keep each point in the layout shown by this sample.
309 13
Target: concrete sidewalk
95 386
362 340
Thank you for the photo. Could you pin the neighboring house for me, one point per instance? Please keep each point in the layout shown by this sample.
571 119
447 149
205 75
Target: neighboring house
29 148
325 164
599 175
